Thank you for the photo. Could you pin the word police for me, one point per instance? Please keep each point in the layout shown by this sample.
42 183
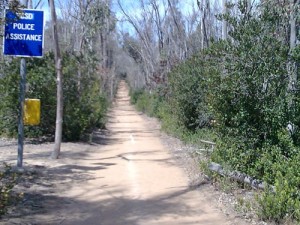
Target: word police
23 26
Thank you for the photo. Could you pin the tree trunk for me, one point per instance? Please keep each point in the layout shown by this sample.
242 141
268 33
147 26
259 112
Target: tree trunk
203 9
224 24
58 67
292 70
240 177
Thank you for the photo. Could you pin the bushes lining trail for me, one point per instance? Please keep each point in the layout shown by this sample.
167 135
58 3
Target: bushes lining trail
237 93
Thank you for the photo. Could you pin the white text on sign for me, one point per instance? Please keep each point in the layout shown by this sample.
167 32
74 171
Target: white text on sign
23 26
25 37
26 16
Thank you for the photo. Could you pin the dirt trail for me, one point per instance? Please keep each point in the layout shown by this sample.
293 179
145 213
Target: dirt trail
131 179
140 182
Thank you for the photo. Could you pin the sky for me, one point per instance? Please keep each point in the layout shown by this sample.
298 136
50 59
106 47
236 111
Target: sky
44 6
132 8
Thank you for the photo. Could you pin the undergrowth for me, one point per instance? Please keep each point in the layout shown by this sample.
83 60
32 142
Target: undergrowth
238 93
8 180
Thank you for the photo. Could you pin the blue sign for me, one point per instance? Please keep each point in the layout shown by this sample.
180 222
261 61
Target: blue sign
24 33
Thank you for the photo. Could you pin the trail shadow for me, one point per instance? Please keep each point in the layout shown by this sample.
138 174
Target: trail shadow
70 168
8 145
119 210
107 140
105 137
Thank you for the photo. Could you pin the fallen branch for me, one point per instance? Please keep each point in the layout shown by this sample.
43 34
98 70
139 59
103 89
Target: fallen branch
241 177
208 142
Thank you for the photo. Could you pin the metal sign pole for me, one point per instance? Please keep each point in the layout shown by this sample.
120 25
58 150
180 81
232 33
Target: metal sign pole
29 29
21 112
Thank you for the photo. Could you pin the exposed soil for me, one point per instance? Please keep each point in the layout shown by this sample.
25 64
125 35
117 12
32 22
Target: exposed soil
130 174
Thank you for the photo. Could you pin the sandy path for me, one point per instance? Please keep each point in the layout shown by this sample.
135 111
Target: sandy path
140 182
130 179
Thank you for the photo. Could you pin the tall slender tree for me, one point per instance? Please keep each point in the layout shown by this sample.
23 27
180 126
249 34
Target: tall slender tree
293 39
224 23
58 67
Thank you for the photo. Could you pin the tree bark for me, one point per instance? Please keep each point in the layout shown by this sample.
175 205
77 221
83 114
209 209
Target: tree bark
240 177
292 64
158 23
224 24
58 66
203 9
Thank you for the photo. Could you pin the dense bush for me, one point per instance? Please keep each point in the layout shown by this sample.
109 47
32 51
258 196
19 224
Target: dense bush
254 106
240 88
135 95
9 89
8 180
188 89
251 104
84 105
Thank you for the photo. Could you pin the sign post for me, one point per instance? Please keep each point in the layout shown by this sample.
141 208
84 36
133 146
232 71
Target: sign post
23 37
21 111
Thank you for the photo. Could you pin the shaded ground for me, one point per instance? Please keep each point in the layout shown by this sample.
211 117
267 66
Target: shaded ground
125 176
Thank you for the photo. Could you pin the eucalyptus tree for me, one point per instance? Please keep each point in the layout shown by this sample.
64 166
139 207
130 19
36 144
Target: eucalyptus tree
143 25
172 34
224 23
160 31
88 31
204 7
176 40
58 66
294 6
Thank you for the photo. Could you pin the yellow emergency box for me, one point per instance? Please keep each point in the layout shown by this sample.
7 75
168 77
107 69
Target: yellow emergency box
32 112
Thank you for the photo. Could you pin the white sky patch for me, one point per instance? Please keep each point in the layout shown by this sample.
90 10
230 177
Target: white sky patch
46 13
187 6
134 10
44 6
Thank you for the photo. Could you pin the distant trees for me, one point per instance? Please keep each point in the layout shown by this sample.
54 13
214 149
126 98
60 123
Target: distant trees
87 29
165 36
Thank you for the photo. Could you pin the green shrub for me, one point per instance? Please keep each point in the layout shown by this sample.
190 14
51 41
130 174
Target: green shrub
9 89
253 109
8 180
146 102
237 92
84 105
135 95
188 93
283 172
284 204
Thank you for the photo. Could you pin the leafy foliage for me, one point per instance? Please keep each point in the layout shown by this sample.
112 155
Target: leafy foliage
8 180
84 105
240 89
188 93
